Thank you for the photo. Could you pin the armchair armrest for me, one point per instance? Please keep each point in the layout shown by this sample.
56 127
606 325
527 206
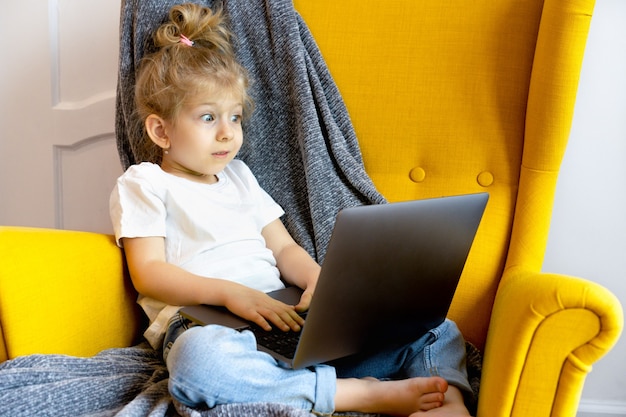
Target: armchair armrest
545 333
63 292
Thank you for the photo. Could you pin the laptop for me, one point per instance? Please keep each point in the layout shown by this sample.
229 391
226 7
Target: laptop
389 276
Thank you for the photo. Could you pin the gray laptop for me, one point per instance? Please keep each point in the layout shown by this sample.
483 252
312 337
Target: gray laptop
389 276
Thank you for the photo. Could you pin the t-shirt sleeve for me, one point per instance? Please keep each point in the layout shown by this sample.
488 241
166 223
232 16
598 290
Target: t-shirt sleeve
269 209
136 209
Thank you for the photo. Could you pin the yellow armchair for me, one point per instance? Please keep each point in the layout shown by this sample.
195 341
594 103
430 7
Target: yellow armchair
446 98
459 97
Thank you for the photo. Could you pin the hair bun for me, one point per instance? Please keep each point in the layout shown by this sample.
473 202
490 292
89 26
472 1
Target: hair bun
199 24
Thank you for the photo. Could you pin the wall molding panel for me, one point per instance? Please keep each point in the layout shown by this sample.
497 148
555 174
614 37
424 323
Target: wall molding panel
84 175
74 83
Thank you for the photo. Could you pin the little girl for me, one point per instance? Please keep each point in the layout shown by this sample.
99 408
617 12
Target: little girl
197 228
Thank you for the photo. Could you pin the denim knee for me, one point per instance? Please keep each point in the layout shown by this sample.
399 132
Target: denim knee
445 355
215 365
197 363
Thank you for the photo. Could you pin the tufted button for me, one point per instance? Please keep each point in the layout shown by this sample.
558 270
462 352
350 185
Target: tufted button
485 178
417 174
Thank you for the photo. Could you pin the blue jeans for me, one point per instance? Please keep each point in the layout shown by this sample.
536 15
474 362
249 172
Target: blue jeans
215 365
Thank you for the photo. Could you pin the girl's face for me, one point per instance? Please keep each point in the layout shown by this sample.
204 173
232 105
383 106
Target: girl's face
205 136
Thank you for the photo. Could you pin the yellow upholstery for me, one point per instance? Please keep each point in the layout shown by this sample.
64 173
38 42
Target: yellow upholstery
447 97
63 292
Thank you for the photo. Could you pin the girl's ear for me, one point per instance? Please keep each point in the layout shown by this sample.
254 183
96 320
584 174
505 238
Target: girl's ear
155 126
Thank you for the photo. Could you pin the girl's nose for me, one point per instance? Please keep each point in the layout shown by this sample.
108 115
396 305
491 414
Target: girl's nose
225 132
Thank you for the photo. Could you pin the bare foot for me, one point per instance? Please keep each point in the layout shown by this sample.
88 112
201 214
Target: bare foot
453 406
399 398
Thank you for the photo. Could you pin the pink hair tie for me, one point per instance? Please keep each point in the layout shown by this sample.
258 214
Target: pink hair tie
186 40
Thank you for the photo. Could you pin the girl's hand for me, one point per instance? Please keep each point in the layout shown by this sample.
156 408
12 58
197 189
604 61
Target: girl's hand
305 301
260 308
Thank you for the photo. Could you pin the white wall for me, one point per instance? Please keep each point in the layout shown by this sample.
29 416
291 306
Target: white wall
588 233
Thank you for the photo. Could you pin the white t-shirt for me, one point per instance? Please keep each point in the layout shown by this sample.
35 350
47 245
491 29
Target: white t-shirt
210 230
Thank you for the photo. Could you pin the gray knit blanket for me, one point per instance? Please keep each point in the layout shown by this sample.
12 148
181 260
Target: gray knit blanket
126 382
301 146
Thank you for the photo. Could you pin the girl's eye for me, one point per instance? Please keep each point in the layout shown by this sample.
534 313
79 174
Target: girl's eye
236 118
207 118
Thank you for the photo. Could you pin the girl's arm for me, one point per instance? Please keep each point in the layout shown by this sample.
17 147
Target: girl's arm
154 277
294 263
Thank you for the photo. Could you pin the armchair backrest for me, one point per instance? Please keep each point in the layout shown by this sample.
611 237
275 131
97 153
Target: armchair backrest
460 97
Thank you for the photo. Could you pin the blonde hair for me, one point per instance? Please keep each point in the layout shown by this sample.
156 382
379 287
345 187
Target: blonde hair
170 77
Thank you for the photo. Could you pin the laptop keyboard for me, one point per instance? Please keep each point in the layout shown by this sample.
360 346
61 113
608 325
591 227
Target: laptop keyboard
276 340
